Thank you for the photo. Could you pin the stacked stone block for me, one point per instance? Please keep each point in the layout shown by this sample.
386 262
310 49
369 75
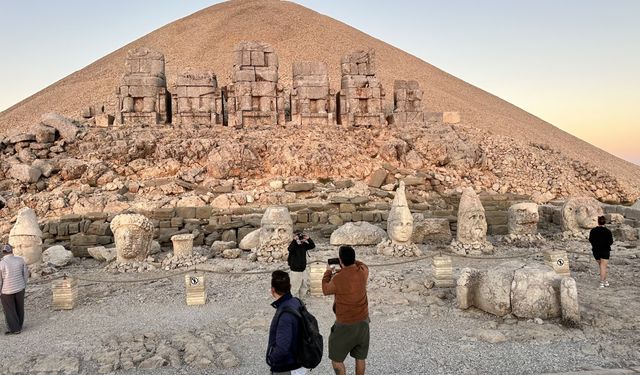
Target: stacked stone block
407 103
255 98
361 95
312 102
142 93
197 100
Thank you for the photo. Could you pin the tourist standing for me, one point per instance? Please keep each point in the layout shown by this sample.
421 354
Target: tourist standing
285 328
13 281
350 332
601 240
297 260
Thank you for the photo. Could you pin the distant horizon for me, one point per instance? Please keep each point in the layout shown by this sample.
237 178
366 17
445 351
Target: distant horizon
572 64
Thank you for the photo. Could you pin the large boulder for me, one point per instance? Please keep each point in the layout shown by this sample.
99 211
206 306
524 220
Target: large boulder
524 290
102 253
488 290
57 255
358 233
250 241
45 134
24 173
67 129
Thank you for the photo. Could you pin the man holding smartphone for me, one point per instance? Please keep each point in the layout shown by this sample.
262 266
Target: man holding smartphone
350 332
297 261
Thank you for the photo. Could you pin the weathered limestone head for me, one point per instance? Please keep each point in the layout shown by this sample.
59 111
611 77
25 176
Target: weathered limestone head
523 218
26 237
133 234
580 213
276 227
472 224
400 221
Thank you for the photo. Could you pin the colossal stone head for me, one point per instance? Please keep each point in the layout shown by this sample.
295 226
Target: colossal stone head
276 227
580 213
523 218
400 221
26 237
133 234
472 224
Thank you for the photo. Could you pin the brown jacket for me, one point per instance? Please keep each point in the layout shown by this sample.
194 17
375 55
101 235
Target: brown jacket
349 286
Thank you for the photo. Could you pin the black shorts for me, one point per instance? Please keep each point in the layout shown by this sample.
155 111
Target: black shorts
601 255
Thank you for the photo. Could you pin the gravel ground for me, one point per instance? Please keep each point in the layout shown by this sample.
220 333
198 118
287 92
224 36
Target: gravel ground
416 330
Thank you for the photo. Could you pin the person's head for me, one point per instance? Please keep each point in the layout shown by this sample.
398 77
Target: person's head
347 255
602 220
6 249
280 284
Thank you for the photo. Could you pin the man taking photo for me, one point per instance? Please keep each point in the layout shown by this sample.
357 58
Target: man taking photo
350 332
297 261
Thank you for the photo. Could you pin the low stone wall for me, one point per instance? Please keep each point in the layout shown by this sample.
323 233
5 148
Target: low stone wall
551 216
209 224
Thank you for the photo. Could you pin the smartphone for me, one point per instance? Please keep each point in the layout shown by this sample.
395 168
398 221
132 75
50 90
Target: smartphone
331 261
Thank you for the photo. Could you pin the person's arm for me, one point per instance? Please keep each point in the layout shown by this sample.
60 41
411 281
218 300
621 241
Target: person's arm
591 236
328 286
284 338
310 244
1 277
609 237
364 268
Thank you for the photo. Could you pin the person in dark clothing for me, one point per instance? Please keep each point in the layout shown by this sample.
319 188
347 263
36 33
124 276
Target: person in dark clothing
601 240
298 264
284 329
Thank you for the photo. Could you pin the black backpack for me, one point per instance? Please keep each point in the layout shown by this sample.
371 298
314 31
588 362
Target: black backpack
310 346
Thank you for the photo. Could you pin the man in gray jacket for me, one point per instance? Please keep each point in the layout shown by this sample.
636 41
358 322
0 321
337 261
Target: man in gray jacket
13 281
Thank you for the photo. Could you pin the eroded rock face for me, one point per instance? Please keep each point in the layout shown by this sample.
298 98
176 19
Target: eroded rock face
276 232
524 290
26 236
523 218
132 234
580 214
357 234
57 256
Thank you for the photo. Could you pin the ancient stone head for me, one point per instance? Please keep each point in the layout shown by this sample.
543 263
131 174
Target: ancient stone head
580 213
26 236
400 221
133 234
276 227
472 224
523 218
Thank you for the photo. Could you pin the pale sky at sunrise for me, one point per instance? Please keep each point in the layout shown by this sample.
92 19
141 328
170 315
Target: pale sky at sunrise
573 63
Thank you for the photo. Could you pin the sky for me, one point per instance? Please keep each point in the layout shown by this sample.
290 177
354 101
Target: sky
573 63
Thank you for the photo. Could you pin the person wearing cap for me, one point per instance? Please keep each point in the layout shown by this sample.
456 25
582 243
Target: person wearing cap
13 281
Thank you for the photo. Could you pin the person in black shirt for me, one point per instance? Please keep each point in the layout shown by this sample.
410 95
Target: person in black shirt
298 263
601 240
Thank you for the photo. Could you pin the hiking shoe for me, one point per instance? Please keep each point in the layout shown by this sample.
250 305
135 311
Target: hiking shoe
602 285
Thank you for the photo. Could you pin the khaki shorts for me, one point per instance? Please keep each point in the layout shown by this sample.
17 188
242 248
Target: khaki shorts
350 339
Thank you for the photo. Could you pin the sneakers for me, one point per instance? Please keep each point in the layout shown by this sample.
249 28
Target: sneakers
606 283
12 332
602 285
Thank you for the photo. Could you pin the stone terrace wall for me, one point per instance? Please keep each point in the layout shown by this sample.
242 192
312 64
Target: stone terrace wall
551 217
209 224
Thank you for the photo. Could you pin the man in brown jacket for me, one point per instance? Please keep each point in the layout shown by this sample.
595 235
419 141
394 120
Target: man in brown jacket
350 332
